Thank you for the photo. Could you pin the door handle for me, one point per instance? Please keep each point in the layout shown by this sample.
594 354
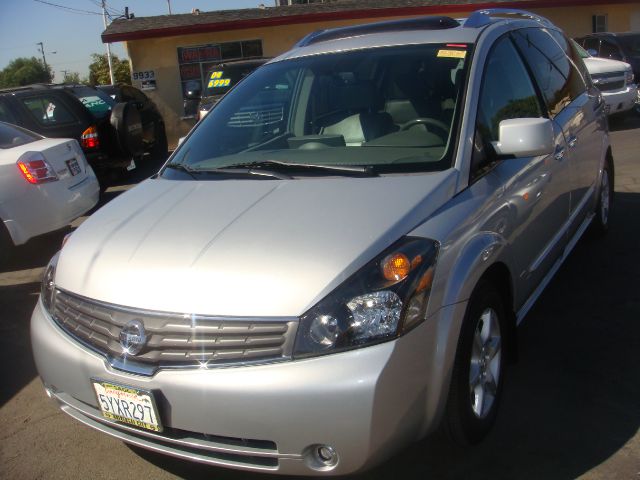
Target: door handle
559 153
572 141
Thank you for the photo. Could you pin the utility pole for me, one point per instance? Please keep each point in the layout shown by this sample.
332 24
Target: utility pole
44 60
169 5
104 17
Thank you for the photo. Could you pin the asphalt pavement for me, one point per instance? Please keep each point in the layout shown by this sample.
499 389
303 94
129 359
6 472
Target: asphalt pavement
571 407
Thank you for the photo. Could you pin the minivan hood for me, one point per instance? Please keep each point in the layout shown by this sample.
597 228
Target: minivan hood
242 247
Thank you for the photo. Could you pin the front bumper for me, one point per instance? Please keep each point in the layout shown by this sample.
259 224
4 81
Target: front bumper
620 101
365 403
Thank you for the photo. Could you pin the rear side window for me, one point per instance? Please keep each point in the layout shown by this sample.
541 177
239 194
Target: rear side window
48 110
5 114
556 76
96 101
630 43
12 136
610 50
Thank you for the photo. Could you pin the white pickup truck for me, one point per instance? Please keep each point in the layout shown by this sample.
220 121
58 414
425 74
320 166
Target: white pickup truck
614 79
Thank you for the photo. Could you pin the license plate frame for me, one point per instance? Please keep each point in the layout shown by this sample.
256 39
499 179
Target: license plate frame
116 399
73 166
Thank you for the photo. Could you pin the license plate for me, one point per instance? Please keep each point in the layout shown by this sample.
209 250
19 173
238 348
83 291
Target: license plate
131 165
73 166
127 404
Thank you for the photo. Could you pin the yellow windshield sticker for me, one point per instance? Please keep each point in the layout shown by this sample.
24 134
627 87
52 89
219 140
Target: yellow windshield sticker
215 75
452 53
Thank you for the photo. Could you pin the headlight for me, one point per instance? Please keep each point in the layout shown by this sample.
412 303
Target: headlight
628 77
383 300
48 288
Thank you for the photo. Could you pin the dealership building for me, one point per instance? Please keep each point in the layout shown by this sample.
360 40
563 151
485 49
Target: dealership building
170 53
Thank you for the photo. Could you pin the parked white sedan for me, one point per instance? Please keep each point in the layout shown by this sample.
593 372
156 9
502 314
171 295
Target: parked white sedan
45 183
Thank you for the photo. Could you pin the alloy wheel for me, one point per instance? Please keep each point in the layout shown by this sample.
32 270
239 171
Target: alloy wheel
486 355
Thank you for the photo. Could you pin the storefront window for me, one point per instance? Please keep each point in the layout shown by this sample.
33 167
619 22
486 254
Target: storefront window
195 61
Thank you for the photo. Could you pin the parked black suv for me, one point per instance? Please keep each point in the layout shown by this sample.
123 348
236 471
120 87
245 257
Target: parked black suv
112 134
615 46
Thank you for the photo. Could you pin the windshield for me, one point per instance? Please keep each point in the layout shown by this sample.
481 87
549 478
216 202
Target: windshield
96 101
222 78
390 108
13 136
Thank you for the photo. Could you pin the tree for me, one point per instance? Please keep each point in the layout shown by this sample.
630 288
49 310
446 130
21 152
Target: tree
99 70
24 71
72 77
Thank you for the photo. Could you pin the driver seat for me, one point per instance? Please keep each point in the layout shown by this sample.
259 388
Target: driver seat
363 122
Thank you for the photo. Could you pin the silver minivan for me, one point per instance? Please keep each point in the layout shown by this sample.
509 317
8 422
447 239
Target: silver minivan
334 262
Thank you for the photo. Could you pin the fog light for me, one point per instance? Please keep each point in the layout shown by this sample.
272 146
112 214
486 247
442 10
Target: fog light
321 457
324 330
327 455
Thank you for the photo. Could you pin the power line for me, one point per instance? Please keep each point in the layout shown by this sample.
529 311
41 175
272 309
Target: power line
69 9
110 10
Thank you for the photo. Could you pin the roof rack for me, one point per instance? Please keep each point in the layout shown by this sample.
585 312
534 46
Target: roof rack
33 86
480 18
421 23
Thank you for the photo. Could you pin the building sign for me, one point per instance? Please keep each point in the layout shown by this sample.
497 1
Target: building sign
195 61
206 53
144 75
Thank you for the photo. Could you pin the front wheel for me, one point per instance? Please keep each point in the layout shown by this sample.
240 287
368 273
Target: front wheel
478 371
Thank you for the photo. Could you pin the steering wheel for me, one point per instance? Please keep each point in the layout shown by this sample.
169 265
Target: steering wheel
426 121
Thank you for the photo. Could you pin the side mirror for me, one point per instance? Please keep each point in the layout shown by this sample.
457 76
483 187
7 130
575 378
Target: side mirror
525 137
592 52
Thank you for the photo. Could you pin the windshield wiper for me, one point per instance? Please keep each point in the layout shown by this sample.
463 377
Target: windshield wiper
183 168
359 170
224 170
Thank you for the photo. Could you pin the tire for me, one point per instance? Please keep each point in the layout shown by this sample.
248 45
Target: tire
602 219
127 124
479 367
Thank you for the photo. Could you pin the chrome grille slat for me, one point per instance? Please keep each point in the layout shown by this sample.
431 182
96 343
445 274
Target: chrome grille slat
173 339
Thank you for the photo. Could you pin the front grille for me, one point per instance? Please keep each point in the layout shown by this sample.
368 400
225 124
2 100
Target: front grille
608 86
253 117
173 340
608 81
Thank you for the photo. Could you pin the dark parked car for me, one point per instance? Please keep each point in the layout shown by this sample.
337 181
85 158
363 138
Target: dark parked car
615 46
111 133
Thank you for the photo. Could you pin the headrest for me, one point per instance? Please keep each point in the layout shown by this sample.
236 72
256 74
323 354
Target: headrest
357 96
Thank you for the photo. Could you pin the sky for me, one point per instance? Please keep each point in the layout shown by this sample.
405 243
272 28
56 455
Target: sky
75 34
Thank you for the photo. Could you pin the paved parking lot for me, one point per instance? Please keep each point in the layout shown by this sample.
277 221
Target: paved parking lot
571 407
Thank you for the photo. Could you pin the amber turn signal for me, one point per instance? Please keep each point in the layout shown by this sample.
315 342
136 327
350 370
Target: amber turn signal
396 267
